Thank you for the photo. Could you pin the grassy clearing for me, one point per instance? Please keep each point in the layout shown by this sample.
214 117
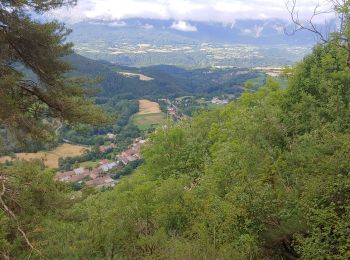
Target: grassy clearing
50 158
89 164
147 121
137 75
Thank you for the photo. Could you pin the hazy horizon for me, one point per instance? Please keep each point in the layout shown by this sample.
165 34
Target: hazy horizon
223 11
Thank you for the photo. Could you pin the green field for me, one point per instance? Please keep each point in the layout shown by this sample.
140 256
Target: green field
89 164
147 121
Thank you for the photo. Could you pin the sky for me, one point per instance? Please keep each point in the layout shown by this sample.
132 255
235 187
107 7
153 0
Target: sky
225 11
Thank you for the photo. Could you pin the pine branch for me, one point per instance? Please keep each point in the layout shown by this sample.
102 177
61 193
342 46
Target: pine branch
12 215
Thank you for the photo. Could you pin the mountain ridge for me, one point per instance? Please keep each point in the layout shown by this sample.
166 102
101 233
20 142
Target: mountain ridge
261 32
145 42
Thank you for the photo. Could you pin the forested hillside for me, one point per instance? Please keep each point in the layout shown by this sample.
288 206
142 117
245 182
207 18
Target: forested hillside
266 177
165 81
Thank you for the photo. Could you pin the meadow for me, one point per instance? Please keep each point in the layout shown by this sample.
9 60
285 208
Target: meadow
149 115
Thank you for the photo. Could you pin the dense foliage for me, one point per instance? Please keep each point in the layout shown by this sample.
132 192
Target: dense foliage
265 177
123 127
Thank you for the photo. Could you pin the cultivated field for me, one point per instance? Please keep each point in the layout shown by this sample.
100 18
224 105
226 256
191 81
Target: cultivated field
140 76
149 116
145 122
50 158
148 107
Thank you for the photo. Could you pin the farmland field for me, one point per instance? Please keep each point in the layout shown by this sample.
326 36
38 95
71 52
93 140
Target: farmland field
146 121
149 116
140 76
148 107
50 158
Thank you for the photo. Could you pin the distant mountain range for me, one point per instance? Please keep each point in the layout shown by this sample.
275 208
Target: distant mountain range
149 31
146 42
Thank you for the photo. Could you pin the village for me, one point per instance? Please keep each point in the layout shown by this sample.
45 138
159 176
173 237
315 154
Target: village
101 177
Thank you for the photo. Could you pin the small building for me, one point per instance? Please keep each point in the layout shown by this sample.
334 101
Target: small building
80 170
109 166
104 161
104 148
102 182
111 136
123 160
72 176
95 173
172 111
218 101
80 177
132 158
64 176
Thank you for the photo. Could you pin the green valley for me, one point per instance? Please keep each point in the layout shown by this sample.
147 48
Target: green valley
169 161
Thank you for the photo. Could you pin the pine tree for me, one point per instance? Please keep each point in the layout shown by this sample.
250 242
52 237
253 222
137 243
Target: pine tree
34 86
34 92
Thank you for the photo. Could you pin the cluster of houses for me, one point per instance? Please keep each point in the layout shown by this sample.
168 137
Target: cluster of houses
218 101
172 111
93 177
105 148
131 154
99 177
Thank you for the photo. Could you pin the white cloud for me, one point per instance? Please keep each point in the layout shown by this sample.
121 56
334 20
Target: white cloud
112 24
279 28
225 11
230 25
118 24
183 26
148 26
255 32
246 31
258 31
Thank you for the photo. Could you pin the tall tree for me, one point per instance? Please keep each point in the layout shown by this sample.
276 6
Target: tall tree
34 88
33 82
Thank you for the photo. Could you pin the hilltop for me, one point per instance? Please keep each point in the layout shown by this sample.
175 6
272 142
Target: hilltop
166 80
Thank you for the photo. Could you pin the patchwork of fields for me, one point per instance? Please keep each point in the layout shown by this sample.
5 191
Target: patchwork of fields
149 115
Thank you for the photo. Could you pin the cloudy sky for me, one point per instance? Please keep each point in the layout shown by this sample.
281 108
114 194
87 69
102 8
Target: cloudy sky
195 10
